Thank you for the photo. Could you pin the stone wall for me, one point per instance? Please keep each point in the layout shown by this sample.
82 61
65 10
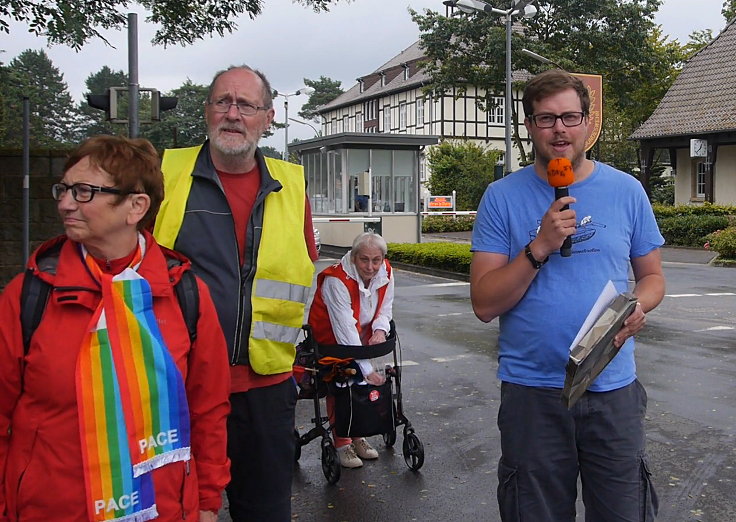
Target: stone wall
45 168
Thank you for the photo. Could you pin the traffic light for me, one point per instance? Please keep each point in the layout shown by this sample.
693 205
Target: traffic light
100 101
107 102
110 102
161 103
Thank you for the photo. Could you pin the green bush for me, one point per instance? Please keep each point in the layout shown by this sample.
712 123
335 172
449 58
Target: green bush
706 209
433 224
454 257
690 230
723 242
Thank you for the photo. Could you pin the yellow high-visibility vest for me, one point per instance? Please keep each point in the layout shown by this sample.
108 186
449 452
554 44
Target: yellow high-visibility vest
284 270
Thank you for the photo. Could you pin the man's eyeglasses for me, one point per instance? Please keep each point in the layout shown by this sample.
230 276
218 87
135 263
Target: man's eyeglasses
81 192
547 121
245 108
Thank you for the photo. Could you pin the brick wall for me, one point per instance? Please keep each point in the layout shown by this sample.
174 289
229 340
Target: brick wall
45 169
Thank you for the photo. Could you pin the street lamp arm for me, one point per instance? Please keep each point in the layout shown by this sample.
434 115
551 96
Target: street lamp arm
316 132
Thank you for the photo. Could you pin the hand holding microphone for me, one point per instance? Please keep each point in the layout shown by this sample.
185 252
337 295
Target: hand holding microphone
560 175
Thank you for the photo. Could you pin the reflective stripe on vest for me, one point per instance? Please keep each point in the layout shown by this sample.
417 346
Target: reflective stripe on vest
283 268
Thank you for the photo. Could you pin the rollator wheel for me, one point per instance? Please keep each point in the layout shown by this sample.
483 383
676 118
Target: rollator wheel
413 451
298 446
330 461
389 438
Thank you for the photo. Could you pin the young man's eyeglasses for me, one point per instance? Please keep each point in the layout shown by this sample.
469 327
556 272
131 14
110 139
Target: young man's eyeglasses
245 108
547 121
81 192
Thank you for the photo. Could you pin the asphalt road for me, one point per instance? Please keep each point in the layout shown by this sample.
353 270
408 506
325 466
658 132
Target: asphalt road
686 359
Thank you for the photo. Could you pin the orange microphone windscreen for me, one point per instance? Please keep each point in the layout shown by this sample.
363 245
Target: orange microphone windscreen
559 172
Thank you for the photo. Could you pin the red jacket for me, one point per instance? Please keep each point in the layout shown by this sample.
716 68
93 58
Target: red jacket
40 452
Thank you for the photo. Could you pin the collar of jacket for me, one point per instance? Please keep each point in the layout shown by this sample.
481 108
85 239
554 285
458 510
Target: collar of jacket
74 284
205 168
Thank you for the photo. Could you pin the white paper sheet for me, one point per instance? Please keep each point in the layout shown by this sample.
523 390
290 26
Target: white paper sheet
606 297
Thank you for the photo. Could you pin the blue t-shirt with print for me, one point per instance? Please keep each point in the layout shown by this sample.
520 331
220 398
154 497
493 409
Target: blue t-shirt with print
615 223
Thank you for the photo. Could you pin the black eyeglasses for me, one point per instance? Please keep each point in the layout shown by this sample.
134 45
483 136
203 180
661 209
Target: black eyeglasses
81 192
547 121
245 108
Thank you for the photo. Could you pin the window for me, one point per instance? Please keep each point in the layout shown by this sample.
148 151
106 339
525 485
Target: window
359 122
361 85
345 123
384 178
496 111
420 112
402 116
700 180
370 110
383 80
406 72
387 118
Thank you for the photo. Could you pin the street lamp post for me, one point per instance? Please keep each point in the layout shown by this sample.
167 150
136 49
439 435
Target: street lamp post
518 7
303 90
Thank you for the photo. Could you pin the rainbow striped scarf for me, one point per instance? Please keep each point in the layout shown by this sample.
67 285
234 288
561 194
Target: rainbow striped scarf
133 411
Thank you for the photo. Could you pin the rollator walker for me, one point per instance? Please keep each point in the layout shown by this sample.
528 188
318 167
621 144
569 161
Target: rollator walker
360 409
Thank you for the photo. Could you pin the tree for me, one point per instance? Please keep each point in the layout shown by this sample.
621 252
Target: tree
729 10
73 23
270 152
325 90
53 116
183 126
464 167
615 38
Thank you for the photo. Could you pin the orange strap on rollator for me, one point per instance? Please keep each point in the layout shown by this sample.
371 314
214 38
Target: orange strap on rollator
335 364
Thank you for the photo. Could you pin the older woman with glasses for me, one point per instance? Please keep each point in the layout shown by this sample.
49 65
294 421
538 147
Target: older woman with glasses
353 306
114 410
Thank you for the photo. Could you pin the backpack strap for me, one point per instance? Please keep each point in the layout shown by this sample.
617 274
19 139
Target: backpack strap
33 298
35 294
187 293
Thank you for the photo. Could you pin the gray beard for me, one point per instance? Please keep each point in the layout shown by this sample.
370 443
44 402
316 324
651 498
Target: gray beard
246 149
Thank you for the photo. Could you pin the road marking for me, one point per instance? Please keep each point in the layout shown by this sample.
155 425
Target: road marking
450 358
716 328
454 314
720 294
439 285
409 363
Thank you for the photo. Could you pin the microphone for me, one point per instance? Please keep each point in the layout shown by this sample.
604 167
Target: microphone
560 176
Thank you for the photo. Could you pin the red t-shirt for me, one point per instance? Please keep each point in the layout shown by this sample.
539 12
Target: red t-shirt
241 190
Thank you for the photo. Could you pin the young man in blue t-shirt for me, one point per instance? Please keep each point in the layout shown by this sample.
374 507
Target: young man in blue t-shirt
542 299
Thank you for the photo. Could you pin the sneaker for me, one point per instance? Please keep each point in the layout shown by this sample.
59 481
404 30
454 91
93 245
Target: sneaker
348 458
364 450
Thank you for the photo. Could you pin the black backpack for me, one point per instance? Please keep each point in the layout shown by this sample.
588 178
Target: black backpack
35 294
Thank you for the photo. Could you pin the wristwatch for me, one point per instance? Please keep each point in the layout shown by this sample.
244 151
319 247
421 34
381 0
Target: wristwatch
536 264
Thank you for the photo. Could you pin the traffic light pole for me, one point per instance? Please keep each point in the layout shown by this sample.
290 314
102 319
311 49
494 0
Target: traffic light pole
133 121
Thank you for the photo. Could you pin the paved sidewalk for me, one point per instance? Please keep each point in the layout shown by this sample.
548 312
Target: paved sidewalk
669 254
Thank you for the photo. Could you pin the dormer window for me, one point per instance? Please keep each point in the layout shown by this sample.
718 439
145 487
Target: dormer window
383 79
406 72
361 85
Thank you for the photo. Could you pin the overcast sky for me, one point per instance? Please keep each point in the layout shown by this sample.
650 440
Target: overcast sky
289 42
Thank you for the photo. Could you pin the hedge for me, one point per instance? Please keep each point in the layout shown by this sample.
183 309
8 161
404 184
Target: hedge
723 242
690 230
454 257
